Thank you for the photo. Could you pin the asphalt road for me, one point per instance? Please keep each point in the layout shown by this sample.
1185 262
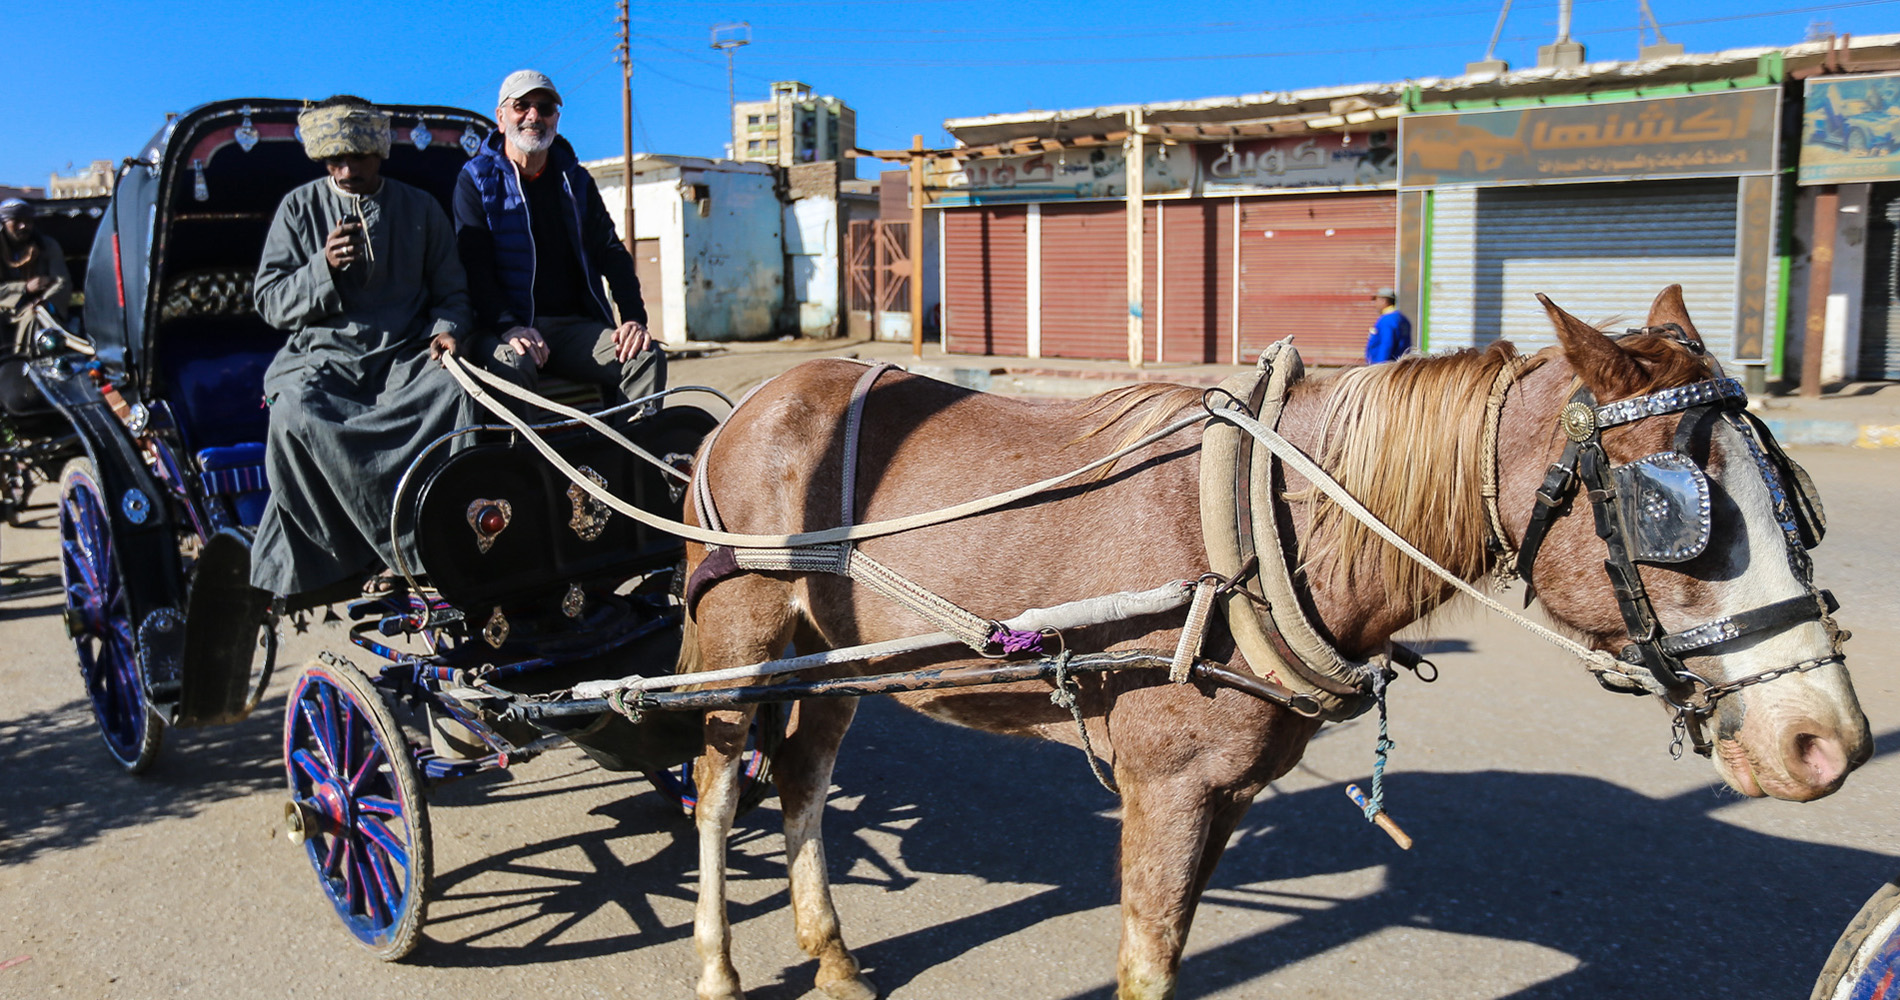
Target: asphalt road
1561 852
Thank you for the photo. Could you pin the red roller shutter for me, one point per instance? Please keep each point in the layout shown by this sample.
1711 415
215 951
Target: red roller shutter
985 288
1309 265
1085 281
1197 269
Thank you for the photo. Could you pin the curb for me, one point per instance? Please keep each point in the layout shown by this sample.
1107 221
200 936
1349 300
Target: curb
1833 432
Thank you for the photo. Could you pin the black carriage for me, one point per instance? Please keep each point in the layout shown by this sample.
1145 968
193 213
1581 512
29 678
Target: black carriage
526 581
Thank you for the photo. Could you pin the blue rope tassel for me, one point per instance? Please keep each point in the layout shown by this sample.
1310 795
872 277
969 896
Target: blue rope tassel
1376 805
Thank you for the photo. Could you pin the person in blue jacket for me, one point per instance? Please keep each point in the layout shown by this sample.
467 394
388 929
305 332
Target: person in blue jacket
536 240
1391 335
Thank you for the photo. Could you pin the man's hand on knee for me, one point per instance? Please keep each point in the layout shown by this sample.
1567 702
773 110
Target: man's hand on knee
527 342
440 344
630 338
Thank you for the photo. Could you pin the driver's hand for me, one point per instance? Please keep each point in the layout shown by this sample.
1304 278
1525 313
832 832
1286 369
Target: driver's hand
440 344
527 342
630 338
344 245
37 284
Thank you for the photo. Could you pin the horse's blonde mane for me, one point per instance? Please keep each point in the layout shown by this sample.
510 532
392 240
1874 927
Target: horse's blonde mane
1405 438
1114 406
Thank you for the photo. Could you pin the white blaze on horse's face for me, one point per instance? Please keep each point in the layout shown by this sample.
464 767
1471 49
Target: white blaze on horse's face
1797 736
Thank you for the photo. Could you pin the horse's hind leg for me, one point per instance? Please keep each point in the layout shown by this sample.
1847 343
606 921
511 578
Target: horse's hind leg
803 769
743 620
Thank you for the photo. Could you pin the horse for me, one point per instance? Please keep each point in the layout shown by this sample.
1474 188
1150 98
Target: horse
1405 438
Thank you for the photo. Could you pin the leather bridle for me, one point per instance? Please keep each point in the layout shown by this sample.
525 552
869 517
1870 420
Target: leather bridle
1585 465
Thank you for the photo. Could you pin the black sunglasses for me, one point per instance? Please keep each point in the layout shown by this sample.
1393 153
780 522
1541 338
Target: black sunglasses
548 109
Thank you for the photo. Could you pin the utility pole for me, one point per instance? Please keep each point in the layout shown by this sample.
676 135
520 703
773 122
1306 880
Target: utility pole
626 126
1135 154
726 38
916 166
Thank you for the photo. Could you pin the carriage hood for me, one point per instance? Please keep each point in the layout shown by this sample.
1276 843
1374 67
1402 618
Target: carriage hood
201 194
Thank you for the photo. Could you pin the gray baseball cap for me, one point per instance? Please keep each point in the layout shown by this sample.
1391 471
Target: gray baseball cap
523 81
1387 293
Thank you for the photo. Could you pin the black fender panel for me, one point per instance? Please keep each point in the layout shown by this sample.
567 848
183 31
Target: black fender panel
148 546
223 617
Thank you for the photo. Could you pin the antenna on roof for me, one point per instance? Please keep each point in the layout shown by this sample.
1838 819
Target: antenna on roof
726 38
1490 64
1662 48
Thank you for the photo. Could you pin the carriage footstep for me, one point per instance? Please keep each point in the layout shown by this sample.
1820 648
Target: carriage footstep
1399 837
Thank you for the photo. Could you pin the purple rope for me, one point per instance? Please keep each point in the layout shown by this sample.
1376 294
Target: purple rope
1014 641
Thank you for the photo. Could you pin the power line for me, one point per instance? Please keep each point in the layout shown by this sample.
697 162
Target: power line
1290 53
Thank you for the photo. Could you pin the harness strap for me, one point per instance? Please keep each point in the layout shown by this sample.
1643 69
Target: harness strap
853 425
1193 633
1768 617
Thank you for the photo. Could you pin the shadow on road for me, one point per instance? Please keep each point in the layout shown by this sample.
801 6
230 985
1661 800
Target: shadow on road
60 789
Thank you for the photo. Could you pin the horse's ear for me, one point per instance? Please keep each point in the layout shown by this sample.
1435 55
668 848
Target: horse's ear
1668 308
1605 369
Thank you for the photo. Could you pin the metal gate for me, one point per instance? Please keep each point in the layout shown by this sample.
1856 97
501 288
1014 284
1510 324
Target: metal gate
1309 266
878 272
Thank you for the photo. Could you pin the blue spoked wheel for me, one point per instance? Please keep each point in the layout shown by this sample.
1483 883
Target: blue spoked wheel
755 768
356 805
99 618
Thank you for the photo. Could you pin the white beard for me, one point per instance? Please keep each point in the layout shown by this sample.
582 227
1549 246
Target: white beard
527 143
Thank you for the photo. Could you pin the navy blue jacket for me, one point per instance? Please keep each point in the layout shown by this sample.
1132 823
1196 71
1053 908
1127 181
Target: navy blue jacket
497 244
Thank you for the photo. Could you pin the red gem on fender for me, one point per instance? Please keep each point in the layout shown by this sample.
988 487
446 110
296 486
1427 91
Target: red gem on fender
492 521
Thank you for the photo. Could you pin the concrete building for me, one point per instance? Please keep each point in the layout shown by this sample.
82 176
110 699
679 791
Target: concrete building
95 180
709 244
1271 214
795 126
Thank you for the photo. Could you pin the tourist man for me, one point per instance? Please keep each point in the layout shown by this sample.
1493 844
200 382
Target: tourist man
1391 334
32 273
536 240
362 272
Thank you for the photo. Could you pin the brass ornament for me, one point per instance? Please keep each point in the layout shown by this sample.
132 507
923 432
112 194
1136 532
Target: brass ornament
496 631
1579 421
575 602
488 518
590 515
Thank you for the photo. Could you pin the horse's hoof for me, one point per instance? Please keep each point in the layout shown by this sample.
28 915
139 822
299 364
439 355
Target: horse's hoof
855 988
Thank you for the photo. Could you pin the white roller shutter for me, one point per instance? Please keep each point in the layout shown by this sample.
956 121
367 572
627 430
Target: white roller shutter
1880 305
1601 251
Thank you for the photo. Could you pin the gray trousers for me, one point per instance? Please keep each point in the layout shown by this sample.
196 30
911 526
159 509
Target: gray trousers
579 348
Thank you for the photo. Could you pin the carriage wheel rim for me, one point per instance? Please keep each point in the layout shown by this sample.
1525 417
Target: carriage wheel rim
107 652
363 846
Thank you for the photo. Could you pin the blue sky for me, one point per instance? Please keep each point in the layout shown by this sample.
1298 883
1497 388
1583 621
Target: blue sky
102 75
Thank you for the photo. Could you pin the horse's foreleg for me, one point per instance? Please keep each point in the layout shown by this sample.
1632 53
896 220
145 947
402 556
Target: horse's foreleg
717 778
1165 831
803 769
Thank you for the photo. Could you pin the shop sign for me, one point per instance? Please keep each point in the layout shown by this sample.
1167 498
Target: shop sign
1850 130
1726 134
1088 174
1365 160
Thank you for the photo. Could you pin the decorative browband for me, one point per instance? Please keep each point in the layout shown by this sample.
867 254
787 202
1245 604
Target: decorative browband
1668 401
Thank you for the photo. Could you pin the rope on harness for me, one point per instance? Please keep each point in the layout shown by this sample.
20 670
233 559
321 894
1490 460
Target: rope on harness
1195 630
1065 696
1380 751
509 388
460 370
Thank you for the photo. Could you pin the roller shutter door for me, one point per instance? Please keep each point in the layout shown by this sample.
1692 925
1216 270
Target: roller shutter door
1309 265
1085 280
1196 258
1880 303
985 281
1601 252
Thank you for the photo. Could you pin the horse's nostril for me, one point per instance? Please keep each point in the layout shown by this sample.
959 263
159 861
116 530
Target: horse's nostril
1820 760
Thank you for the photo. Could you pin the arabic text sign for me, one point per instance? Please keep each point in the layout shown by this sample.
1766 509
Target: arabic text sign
1730 134
1850 130
1330 161
1060 175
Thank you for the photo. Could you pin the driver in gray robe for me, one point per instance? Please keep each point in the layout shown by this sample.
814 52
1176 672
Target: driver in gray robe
362 271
